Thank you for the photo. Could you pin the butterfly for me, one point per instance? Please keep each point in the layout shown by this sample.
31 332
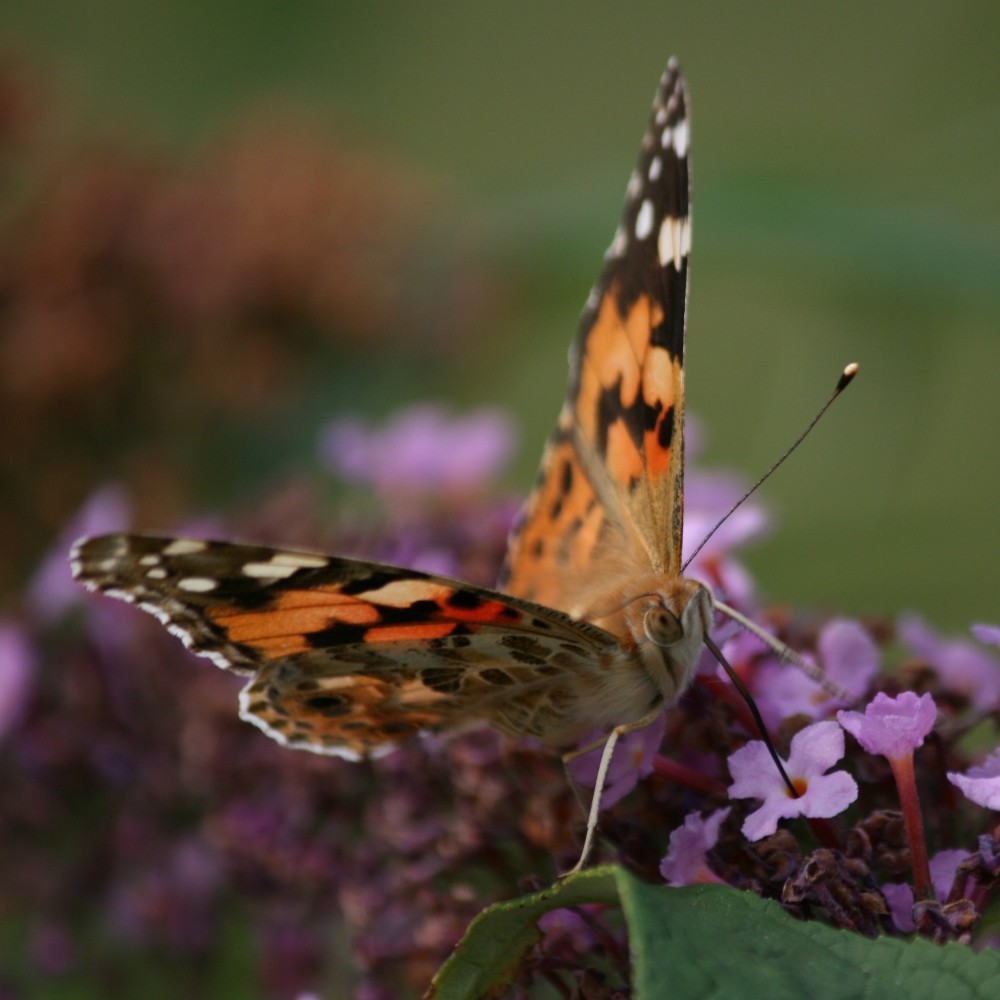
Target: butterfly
592 627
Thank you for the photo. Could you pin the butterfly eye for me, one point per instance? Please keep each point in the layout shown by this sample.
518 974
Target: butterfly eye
661 626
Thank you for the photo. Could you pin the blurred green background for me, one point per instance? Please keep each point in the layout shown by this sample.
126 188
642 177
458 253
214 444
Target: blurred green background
847 201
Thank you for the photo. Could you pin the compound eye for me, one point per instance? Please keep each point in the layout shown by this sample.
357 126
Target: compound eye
662 626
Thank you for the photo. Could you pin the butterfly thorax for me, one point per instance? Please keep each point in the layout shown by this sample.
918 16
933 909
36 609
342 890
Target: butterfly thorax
658 622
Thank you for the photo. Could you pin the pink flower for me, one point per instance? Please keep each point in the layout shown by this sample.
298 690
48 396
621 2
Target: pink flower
892 727
707 496
988 634
571 927
981 783
685 862
632 761
53 590
420 450
849 658
963 667
813 751
899 895
944 865
895 727
17 673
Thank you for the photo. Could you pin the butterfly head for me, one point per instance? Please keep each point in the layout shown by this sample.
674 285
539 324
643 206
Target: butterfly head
664 620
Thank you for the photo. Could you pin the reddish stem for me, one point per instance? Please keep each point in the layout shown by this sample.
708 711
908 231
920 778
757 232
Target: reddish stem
906 785
718 688
687 777
823 831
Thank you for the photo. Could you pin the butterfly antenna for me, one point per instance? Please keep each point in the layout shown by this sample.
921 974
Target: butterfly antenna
846 377
754 711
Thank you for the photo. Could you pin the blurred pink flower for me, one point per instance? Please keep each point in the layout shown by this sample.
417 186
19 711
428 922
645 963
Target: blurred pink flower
963 667
981 783
420 449
685 862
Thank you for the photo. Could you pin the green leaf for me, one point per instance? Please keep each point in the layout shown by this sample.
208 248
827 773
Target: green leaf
714 941
488 956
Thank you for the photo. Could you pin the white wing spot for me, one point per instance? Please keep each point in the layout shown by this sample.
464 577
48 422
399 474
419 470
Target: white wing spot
282 564
299 560
156 573
655 168
267 570
618 244
197 584
681 137
644 220
336 683
184 547
634 188
401 593
151 559
674 241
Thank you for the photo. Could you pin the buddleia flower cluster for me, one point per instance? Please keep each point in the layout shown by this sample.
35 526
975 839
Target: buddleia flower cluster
150 836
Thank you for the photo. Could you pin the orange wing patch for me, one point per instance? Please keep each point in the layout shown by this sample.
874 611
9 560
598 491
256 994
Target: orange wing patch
291 622
563 526
611 490
350 657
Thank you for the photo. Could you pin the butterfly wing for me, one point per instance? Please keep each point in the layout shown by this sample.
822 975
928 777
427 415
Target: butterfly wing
609 500
348 657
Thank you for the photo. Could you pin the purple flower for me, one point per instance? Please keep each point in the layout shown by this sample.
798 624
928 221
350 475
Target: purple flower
570 925
421 449
989 634
813 751
981 783
895 727
964 668
17 673
52 589
685 862
892 727
410 552
944 865
632 761
707 497
849 658
899 895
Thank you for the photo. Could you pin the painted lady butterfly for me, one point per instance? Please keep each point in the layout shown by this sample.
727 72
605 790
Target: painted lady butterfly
348 657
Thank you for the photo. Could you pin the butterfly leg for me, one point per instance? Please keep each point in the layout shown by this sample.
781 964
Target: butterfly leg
602 774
